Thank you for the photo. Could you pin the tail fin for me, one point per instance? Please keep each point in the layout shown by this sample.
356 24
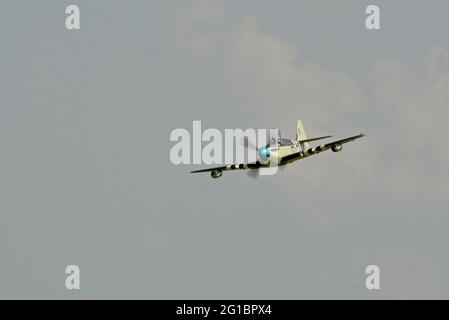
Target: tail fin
301 135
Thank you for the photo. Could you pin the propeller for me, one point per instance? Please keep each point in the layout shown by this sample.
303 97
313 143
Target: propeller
249 144
262 152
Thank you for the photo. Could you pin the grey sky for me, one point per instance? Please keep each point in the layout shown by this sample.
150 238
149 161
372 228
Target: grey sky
86 179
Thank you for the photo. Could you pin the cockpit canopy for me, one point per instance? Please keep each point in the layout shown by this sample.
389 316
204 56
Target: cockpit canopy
283 143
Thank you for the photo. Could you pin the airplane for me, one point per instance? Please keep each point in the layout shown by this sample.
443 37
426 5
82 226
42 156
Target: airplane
282 152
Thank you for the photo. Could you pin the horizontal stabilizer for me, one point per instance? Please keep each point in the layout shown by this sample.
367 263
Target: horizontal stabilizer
314 139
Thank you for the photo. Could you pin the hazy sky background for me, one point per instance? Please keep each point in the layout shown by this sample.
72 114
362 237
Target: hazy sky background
86 179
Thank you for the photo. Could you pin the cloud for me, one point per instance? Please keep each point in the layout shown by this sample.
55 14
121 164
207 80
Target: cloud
401 109
410 107
262 72
190 38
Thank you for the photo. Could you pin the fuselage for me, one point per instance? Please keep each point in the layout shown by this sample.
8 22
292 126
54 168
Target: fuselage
277 151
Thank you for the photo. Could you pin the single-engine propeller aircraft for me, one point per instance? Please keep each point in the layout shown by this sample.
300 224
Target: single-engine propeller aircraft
282 152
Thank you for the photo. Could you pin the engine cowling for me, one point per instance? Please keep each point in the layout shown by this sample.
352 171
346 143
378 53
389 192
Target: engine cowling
264 155
336 147
216 174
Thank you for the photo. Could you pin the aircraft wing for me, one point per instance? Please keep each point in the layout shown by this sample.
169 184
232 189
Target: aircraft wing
311 151
242 166
342 141
285 160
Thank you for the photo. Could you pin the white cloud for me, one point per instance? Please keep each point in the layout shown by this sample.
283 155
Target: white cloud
411 105
263 73
405 107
